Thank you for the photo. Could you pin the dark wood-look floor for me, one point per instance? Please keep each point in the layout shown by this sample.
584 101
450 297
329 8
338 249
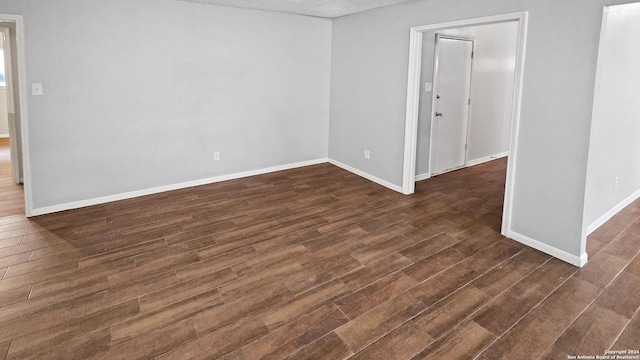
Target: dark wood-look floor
11 195
312 263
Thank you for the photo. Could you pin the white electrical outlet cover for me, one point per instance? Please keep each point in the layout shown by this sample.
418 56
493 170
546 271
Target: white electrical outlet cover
36 89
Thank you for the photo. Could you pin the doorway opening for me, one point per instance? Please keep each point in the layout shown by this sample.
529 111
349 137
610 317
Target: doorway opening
465 120
15 199
416 89
450 103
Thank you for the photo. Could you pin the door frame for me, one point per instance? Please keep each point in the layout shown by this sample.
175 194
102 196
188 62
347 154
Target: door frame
413 101
434 97
23 121
10 98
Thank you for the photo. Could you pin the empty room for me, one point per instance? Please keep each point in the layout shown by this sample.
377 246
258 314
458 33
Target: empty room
303 179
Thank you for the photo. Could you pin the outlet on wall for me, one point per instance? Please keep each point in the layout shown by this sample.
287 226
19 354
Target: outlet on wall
36 89
216 156
367 154
617 181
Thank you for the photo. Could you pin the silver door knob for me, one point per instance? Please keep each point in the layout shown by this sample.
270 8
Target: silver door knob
438 114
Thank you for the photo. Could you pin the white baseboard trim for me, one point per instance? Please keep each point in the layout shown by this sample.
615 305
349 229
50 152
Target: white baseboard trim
487 158
470 163
578 261
611 213
159 189
4 136
367 176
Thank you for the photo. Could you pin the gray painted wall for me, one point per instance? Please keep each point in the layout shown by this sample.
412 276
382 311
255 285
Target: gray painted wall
615 131
424 117
139 94
368 100
492 90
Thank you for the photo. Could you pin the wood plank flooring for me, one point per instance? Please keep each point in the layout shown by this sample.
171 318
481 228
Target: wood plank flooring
11 195
311 263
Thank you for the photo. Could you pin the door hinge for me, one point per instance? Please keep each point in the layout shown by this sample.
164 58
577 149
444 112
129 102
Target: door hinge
466 146
472 53
469 102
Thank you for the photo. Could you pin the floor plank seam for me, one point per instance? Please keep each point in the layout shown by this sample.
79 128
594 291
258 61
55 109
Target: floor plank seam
432 305
576 319
637 313
92 259
470 316
500 336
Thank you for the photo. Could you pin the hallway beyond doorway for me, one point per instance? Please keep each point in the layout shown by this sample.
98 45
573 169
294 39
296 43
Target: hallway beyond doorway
11 195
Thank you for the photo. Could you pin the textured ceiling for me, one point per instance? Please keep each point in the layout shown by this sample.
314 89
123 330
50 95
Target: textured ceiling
320 8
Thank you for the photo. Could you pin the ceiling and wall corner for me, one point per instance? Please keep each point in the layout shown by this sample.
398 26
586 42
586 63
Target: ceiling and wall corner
329 9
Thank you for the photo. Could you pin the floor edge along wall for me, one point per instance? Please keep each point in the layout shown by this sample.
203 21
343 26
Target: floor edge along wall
159 189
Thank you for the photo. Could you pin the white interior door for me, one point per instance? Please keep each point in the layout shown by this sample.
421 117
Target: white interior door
451 101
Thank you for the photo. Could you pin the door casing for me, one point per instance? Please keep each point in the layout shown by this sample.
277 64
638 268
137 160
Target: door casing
21 124
413 102
16 164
